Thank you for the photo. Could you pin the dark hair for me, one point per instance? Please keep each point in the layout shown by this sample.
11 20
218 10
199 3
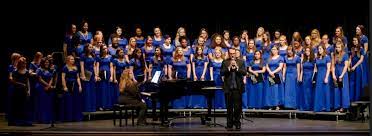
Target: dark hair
87 52
118 51
312 56
214 44
161 55
166 37
362 29
141 59
42 63
196 52
203 29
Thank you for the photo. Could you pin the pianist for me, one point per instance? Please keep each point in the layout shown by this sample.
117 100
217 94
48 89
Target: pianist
130 95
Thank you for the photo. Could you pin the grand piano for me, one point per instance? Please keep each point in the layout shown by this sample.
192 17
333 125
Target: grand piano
168 90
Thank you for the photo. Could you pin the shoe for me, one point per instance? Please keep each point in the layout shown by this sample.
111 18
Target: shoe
237 127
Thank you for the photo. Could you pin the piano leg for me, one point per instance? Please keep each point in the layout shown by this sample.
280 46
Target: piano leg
154 102
209 104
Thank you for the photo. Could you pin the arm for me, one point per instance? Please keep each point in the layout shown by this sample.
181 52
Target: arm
360 61
193 72
112 72
327 73
96 73
65 49
366 47
170 72
211 73
79 83
82 70
344 69
281 65
150 71
204 70
299 74
188 70
284 70
64 82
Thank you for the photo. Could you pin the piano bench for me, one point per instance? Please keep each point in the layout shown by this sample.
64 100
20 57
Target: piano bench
120 108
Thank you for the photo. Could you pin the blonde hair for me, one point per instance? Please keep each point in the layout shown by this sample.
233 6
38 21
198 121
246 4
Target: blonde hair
176 56
339 55
125 80
263 31
315 41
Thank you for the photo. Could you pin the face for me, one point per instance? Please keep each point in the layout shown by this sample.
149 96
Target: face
132 41
314 34
149 41
226 35
274 51
251 44
85 27
307 51
168 40
182 32
338 32
138 31
201 41
308 40
260 31
71 60
184 43
237 54
320 49
139 53
277 34
157 51
204 34
325 39
73 28
157 31
232 53
119 31
355 41
290 52
200 51
179 51
218 40
257 55
46 64
90 47
218 54
282 41
236 41
121 53
265 37
244 35
338 48
104 48
358 31
296 44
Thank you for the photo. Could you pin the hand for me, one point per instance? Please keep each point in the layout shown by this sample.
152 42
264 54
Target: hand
65 89
97 78
111 79
115 81
326 80
272 74
212 79
202 78
353 69
334 78
83 78
80 89
300 80
150 78
195 78
340 78
245 81
256 74
46 88
283 78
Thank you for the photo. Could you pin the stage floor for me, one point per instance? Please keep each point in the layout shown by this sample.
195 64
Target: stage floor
192 126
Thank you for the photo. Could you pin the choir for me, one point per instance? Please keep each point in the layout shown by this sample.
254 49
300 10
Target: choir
314 74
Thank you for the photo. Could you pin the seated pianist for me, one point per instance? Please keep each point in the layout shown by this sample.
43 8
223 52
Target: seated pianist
130 95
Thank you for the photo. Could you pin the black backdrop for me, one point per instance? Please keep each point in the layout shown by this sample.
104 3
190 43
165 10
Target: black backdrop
31 32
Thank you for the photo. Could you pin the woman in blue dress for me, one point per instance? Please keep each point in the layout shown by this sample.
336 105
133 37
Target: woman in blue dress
167 52
122 41
292 73
298 49
140 39
156 63
200 67
266 46
119 65
258 38
158 37
339 33
340 65
250 95
187 50
322 100
44 88
305 93
274 94
12 67
137 65
114 47
217 44
87 63
236 45
356 70
104 76
72 101
200 43
360 32
85 36
68 43
283 45
182 69
215 68
203 34
34 65
256 68
148 51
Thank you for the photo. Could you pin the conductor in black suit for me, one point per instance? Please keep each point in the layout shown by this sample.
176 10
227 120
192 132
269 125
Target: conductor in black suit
233 72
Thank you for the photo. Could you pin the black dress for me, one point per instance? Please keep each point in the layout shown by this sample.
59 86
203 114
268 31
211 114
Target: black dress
131 96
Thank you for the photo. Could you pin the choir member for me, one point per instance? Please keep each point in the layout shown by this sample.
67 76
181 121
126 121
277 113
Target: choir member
158 37
340 76
283 45
68 46
356 70
291 78
182 69
140 39
87 72
305 92
257 69
104 76
167 50
137 65
215 68
129 50
226 38
217 44
85 37
322 96
258 38
200 67
122 41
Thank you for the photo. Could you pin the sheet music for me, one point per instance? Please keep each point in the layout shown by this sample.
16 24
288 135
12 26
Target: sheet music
156 77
